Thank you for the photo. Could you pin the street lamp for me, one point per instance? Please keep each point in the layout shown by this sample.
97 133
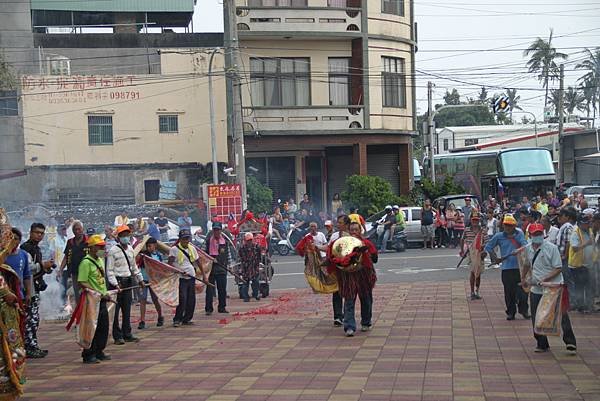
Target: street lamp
534 123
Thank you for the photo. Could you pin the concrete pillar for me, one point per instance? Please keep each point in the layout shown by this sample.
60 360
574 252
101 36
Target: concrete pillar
405 169
300 177
359 158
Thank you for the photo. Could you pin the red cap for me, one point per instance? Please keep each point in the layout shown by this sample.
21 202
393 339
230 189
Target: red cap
535 228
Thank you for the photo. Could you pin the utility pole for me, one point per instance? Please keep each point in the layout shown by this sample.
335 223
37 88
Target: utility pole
213 134
234 95
561 153
430 129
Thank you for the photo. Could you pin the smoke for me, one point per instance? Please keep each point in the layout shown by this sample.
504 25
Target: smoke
52 305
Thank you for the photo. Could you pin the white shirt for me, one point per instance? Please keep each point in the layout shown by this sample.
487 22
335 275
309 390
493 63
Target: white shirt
552 235
116 264
319 240
182 262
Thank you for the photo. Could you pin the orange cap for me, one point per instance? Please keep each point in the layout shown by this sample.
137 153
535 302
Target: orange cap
122 229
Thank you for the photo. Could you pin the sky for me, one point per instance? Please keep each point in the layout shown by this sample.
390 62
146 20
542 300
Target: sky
472 43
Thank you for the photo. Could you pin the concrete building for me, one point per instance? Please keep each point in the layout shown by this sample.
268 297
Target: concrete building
499 136
330 92
582 157
107 116
114 113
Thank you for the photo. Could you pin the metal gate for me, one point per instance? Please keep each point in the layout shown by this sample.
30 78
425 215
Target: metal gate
384 161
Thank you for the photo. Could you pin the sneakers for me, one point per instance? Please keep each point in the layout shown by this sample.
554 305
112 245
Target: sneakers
473 296
477 296
510 317
142 325
571 349
160 322
539 350
36 354
223 311
246 299
131 339
349 333
91 360
119 341
337 322
526 315
257 298
177 324
365 328
208 312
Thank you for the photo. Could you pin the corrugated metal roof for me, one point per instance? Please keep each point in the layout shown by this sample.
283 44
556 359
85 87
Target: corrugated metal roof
115 5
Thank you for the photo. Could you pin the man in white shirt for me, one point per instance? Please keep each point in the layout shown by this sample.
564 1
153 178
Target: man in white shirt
550 231
122 272
122 219
318 238
546 268
343 222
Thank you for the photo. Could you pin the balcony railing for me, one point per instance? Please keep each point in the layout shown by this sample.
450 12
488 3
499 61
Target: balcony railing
302 118
287 19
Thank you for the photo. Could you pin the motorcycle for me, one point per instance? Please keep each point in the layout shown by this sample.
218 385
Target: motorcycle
398 241
288 244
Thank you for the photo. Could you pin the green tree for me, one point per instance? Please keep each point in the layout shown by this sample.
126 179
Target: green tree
553 100
573 100
483 95
591 79
369 194
589 96
7 78
542 60
452 98
260 197
464 117
446 187
513 101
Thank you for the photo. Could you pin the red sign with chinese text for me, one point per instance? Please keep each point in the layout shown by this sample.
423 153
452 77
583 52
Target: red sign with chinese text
224 200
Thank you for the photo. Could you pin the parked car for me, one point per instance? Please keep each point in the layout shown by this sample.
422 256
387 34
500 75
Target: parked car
590 193
458 200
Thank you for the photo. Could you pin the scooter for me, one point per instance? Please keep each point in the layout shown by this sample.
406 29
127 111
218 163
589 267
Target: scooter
398 241
288 244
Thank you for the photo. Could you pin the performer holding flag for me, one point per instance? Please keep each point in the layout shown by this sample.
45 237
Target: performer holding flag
91 279
471 244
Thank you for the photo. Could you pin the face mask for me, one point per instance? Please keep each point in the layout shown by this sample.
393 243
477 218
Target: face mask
538 240
101 253
125 240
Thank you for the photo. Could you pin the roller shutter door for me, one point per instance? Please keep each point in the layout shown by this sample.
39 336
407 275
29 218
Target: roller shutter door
339 166
383 161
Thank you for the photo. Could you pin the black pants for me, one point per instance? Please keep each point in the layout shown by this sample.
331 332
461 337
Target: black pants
101 335
514 296
567 330
187 301
220 280
124 300
255 285
582 296
338 306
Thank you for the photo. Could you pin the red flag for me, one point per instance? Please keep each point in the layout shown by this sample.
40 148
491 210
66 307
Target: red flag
164 280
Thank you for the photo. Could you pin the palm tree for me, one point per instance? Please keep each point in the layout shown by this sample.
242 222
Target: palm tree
589 96
573 100
543 61
554 100
513 100
591 79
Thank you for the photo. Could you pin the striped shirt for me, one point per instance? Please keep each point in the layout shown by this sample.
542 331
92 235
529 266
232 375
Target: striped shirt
469 236
564 233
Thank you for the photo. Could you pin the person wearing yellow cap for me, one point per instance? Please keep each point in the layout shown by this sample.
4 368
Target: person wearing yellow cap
509 241
122 272
91 276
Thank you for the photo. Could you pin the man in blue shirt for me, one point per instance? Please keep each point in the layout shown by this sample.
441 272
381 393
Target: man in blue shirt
153 230
18 260
509 241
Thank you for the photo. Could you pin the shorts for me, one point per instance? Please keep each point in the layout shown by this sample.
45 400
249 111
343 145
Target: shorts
428 231
143 292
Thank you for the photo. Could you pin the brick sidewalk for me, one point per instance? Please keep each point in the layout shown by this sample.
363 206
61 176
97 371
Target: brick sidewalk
428 343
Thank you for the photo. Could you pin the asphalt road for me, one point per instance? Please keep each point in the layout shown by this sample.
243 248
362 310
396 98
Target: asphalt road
393 267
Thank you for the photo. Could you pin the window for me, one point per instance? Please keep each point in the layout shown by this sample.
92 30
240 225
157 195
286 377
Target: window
8 103
58 65
446 144
339 81
336 3
100 130
471 141
395 7
393 82
278 3
280 82
168 124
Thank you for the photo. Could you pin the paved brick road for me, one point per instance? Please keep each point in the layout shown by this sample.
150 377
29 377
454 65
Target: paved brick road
428 343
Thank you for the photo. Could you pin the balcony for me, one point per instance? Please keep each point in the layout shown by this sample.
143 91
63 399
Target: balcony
302 118
289 21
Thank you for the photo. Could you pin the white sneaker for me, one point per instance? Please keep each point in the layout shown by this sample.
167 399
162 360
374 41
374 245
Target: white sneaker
349 333
365 328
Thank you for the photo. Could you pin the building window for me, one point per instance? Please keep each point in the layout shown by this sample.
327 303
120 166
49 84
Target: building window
58 65
168 124
393 82
8 103
280 81
446 145
395 7
100 130
339 81
336 3
278 3
471 141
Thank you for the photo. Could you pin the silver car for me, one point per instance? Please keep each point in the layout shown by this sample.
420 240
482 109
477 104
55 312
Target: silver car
590 193
412 217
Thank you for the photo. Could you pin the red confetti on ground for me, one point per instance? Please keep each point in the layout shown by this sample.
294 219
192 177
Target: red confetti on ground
223 321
